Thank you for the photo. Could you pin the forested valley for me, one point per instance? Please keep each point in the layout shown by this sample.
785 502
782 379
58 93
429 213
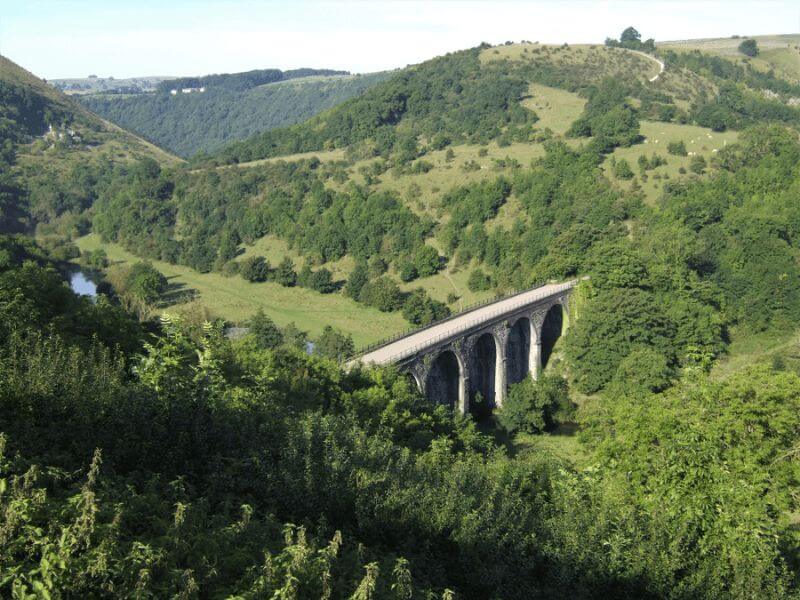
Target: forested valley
231 107
145 453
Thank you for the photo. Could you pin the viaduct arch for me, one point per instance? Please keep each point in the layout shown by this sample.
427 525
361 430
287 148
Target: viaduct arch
481 351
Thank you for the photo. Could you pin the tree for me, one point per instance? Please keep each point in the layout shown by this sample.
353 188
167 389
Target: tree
264 330
697 164
145 282
357 279
478 281
643 370
406 269
622 169
284 273
426 260
420 309
228 247
334 344
534 405
383 293
321 281
749 47
677 148
630 35
377 266
254 269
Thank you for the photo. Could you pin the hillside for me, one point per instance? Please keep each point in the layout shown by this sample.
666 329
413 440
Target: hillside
145 451
228 109
51 145
780 53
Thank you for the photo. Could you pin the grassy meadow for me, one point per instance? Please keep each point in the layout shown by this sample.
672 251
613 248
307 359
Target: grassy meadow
235 299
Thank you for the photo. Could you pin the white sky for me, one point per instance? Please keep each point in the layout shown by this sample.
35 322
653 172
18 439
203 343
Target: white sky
73 38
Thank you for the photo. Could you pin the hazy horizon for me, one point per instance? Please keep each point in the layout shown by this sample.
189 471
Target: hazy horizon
57 40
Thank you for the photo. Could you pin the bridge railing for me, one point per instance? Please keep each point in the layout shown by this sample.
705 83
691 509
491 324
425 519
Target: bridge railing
412 330
464 326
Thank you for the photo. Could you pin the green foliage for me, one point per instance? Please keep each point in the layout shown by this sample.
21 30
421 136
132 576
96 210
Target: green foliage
334 344
254 269
426 261
320 281
677 148
187 124
420 309
357 279
698 164
749 47
264 331
607 117
622 169
383 293
285 274
452 96
632 40
145 282
209 448
533 406
478 281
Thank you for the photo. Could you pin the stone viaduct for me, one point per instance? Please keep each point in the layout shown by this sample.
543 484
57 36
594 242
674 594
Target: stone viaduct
483 350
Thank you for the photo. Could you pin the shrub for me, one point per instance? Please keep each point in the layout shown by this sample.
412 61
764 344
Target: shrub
285 273
420 309
264 331
254 269
382 293
622 169
749 48
533 406
677 148
478 281
145 282
698 164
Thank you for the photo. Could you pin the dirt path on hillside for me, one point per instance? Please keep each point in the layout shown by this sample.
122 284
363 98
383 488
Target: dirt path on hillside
651 57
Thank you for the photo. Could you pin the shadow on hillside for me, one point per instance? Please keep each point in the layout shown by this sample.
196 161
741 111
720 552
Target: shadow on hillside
177 293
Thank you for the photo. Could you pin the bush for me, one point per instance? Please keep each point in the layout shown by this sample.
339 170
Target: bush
478 281
533 406
322 281
698 164
420 309
358 278
285 273
677 148
643 370
622 169
264 331
749 48
254 269
426 261
145 282
383 293
406 270
334 344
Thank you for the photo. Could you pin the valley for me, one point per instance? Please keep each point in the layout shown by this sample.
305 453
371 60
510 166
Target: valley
215 414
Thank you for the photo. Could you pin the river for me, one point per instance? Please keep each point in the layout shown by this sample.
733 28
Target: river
82 285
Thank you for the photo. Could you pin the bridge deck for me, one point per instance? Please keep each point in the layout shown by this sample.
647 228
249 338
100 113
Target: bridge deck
411 344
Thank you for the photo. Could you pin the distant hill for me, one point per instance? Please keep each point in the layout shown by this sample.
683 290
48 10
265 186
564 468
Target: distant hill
244 80
230 108
107 85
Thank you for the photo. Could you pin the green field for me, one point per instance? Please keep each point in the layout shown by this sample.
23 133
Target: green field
778 52
657 135
235 300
